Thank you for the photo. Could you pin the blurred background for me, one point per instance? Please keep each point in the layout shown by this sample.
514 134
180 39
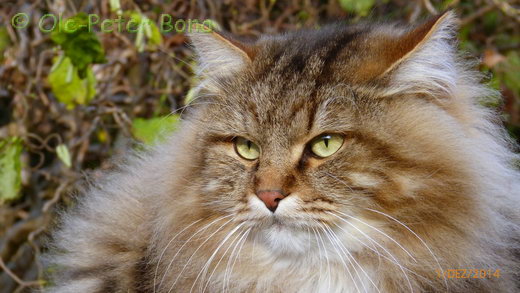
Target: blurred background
71 98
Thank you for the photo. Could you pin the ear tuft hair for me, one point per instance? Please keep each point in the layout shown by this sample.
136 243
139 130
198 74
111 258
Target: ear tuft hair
430 66
218 54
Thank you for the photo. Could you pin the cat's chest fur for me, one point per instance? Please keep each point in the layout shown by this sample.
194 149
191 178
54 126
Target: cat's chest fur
307 275
283 261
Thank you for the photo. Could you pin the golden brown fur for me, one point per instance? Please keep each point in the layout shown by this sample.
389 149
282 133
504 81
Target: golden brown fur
423 184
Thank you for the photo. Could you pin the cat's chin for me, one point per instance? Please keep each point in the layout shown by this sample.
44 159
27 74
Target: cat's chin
286 232
284 239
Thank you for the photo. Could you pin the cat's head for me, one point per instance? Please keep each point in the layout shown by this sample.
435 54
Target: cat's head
341 131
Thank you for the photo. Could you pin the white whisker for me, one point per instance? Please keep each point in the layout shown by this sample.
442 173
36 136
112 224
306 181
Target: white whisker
420 239
385 257
166 247
363 243
236 258
334 239
208 263
202 244
335 246
389 237
327 260
347 251
390 254
229 259
187 241
319 254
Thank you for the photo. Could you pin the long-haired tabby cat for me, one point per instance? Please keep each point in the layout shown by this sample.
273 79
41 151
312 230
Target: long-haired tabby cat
344 159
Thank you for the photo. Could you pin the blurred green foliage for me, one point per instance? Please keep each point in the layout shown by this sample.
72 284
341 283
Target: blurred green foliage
5 41
68 86
64 155
145 28
10 168
153 130
80 45
359 7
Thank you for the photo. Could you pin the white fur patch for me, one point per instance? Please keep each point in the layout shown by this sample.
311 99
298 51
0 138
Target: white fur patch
363 179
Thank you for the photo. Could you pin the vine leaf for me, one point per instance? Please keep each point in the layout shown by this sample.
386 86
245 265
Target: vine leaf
63 153
67 85
153 130
10 168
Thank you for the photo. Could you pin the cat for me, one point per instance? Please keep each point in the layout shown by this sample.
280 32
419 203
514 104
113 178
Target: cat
341 159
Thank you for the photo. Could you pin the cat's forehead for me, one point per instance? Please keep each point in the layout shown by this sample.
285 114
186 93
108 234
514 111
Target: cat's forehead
306 82
304 71
334 54
288 112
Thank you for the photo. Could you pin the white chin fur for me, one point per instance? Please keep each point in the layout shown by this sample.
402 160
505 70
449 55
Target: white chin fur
281 238
286 235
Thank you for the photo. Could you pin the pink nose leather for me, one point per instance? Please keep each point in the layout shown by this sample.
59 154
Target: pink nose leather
270 198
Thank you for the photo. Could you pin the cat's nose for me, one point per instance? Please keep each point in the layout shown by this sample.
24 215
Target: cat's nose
271 198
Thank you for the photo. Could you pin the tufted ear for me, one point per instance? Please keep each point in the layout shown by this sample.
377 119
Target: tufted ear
422 60
219 55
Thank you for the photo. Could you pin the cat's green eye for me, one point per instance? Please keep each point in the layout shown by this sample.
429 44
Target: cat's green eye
246 148
326 145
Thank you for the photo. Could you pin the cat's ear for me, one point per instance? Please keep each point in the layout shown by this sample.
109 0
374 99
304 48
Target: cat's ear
218 53
422 60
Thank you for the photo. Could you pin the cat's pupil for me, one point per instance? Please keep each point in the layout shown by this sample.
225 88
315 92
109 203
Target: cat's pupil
326 141
249 144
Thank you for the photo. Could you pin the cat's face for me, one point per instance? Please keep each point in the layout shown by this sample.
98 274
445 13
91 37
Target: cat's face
304 143
342 157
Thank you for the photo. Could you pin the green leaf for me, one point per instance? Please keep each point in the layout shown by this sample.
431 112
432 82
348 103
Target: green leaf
359 7
64 154
154 35
79 44
146 28
193 91
491 20
446 3
115 6
10 168
511 69
5 41
303 15
68 87
155 129
212 24
190 96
